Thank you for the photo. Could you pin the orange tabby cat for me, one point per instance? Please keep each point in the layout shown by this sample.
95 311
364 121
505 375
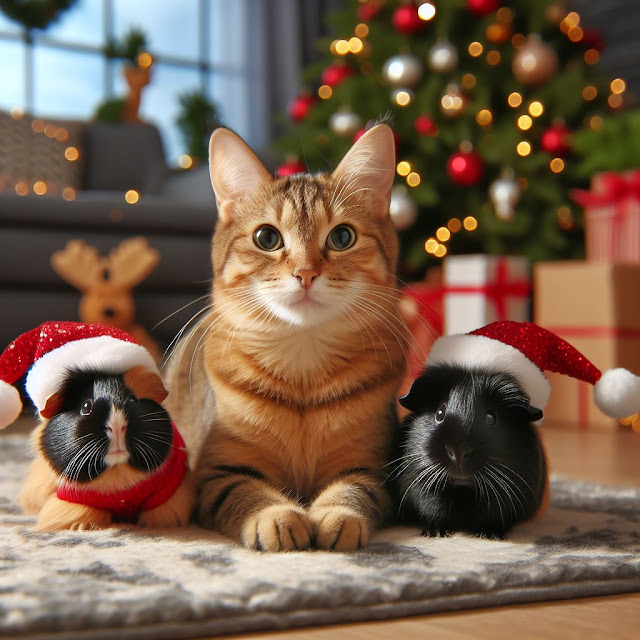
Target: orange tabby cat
286 389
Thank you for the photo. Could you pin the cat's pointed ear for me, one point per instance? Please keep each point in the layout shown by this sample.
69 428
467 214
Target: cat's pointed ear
369 166
236 172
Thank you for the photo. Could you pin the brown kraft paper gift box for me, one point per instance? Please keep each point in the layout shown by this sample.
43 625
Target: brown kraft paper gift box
595 307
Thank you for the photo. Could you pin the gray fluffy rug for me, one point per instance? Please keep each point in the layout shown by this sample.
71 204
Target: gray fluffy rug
190 583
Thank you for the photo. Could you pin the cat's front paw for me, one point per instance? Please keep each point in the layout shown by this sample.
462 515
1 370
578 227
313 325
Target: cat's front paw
340 529
278 528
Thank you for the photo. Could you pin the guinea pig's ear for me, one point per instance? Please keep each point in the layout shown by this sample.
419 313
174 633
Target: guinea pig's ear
414 400
535 414
52 406
145 384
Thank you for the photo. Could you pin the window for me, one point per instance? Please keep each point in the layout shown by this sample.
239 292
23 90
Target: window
196 44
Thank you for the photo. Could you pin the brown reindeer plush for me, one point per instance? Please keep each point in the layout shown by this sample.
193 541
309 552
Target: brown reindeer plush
107 283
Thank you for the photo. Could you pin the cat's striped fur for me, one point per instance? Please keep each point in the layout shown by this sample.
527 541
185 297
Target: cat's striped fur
287 388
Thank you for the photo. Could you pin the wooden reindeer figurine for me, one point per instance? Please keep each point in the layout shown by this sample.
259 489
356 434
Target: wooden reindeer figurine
107 283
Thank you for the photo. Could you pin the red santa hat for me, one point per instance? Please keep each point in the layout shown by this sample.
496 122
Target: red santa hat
525 350
49 351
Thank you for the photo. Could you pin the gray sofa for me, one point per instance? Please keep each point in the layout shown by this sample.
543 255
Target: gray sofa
176 213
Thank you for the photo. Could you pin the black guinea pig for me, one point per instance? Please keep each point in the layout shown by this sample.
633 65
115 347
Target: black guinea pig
100 424
468 457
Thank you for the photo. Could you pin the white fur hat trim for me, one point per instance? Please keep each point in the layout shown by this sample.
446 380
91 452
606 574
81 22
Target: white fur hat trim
480 352
105 354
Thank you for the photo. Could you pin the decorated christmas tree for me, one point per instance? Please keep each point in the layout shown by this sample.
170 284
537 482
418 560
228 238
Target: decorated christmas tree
483 96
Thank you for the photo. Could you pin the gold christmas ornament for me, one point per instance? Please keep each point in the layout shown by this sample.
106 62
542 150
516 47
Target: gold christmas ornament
402 70
442 57
453 101
345 123
535 63
402 208
504 194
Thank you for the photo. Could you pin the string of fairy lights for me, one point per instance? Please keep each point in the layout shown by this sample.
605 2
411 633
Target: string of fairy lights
533 56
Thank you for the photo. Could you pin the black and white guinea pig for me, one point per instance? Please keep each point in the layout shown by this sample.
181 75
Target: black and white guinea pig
468 457
101 423
107 451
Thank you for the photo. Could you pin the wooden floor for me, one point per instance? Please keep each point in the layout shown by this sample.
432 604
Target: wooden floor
609 457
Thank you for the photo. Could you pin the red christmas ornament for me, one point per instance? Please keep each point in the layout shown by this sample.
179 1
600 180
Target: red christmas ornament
369 11
556 140
406 20
290 167
334 74
465 168
481 8
300 107
425 126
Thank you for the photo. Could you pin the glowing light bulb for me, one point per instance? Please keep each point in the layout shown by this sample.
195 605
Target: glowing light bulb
426 11
484 117
618 85
132 196
403 168
523 148
71 154
39 188
325 92
514 99
525 122
431 245
475 49
454 225
470 223
413 179
443 234
557 165
536 108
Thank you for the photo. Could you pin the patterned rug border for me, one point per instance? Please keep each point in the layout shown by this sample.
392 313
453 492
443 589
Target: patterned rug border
264 622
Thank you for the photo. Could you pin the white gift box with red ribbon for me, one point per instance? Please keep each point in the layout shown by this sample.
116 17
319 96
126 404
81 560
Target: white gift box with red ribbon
479 289
612 217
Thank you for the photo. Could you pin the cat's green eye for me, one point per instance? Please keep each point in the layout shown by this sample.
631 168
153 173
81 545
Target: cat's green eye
341 238
267 238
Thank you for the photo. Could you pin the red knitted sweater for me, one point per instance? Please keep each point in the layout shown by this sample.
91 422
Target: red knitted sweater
148 494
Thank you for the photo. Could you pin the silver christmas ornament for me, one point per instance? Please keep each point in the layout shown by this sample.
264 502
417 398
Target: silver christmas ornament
536 62
402 70
442 57
504 194
345 123
402 209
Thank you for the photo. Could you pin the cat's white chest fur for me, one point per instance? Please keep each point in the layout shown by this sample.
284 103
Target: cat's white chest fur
301 353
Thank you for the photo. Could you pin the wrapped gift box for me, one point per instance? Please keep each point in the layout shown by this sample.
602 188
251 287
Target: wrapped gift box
596 307
421 308
479 289
612 217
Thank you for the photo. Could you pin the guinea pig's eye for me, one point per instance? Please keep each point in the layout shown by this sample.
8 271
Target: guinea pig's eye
490 418
441 413
132 400
267 238
341 238
86 408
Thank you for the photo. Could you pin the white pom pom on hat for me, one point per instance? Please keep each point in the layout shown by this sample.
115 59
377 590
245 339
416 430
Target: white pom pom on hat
526 350
48 352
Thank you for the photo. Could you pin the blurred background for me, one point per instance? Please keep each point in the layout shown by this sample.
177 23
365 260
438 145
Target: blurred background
517 143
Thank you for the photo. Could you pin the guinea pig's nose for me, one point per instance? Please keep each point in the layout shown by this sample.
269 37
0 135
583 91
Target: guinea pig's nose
465 452
458 454
109 312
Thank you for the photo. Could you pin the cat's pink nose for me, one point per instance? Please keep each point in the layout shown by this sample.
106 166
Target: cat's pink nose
306 277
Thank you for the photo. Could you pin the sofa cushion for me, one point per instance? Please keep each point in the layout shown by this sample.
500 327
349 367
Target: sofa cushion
120 157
